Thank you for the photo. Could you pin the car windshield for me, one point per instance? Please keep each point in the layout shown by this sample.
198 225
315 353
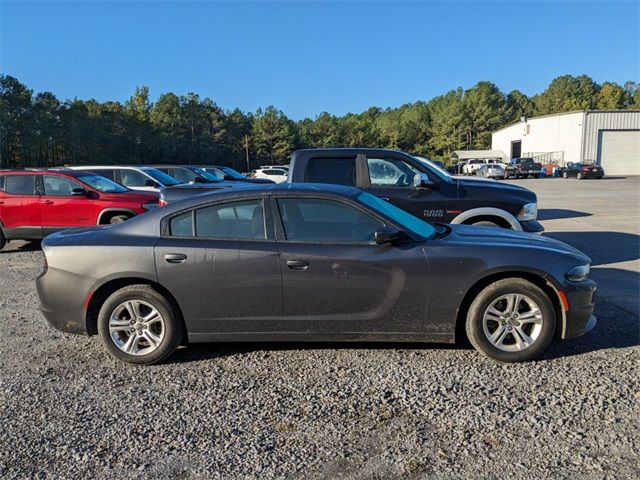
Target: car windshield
436 169
161 177
102 184
232 173
204 174
402 218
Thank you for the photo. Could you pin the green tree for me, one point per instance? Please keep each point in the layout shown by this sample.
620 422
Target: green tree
610 97
567 93
449 126
485 110
273 136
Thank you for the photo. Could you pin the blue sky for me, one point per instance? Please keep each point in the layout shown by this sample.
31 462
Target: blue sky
309 57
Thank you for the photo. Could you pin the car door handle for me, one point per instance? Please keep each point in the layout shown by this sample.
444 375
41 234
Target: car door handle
47 202
298 264
175 257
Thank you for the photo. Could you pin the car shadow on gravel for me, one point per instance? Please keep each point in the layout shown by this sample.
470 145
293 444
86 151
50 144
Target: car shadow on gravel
559 213
20 247
208 351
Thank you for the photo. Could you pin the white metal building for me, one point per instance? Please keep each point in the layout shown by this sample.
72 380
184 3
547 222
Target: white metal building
611 138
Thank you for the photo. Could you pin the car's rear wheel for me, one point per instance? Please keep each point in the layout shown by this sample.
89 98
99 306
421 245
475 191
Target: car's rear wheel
3 241
565 175
139 325
511 320
579 176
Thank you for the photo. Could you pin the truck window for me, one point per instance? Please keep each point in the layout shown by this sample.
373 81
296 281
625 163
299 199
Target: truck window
340 171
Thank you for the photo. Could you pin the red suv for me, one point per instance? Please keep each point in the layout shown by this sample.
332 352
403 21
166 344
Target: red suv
35 203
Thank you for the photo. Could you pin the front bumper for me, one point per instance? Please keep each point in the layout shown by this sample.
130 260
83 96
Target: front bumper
531 226
579 319
62 296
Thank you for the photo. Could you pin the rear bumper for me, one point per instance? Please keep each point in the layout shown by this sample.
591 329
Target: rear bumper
61 300
579 319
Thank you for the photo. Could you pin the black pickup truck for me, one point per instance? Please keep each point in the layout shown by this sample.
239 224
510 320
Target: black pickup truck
523 168
419 186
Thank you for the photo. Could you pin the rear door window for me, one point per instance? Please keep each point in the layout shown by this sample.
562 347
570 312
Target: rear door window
1 183
334 170
232 220
20 184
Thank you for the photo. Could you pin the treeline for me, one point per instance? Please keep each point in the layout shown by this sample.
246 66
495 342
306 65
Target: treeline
41 130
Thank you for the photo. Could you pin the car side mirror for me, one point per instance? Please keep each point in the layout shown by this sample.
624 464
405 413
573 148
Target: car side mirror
79 192
422 180
386 235
150 183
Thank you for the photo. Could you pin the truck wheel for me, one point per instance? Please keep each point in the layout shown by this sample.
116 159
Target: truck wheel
511 320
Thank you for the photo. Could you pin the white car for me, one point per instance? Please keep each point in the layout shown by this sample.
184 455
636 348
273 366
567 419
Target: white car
473 165
277 174
142 178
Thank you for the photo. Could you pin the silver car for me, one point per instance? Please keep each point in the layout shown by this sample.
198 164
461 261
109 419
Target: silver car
491 170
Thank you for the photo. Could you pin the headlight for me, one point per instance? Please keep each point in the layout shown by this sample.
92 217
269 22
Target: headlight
528 212
577 274
150 206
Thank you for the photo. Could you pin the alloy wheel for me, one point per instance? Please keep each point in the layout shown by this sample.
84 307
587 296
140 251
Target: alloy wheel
512 322
136 327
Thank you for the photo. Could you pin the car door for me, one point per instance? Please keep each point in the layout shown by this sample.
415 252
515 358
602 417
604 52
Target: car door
221 263
337 280
20 207
63 204
391 178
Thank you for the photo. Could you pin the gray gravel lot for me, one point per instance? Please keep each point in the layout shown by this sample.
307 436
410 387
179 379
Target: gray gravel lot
337 411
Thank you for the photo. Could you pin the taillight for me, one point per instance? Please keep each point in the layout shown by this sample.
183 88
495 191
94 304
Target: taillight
162 202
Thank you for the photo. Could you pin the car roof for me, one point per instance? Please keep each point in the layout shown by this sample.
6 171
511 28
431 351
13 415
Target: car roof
253 189
40 171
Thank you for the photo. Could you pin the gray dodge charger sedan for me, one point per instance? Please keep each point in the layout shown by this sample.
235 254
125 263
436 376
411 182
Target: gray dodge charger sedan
310 263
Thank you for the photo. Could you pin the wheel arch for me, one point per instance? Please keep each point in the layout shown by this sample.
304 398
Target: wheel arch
100 295
486 212
109 212
540 281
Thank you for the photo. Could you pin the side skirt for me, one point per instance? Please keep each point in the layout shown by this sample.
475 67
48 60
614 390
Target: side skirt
320 337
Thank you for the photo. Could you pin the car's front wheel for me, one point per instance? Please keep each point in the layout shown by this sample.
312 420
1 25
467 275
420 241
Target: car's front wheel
579 176
511 320
565 175
139 325
3 241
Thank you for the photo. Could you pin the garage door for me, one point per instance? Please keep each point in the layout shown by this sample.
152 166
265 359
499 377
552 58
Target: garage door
619 152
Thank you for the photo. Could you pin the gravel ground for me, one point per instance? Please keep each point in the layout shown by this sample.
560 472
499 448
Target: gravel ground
322 411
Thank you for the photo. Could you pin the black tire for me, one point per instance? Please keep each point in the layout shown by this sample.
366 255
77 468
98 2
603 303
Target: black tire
3 241
489 295
173 325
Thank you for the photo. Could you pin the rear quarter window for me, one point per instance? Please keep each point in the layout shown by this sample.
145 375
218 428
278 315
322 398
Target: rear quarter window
1 183
337 171
20 184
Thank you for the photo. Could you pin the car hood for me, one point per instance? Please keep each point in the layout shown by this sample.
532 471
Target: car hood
467 235
142 197
468 182
203 186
